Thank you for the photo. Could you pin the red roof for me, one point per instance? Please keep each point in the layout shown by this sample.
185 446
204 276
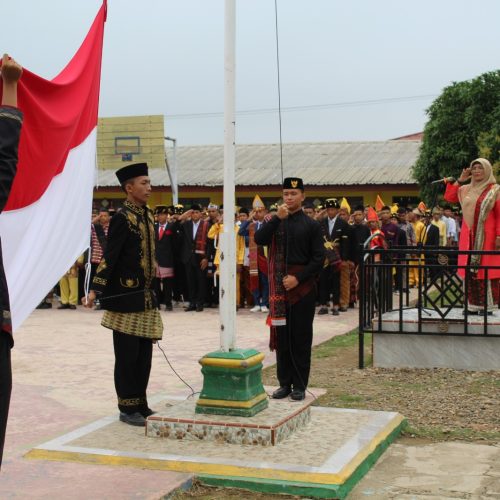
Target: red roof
418 136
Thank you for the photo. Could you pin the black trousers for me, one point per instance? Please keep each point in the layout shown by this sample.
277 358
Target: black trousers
164 287
212 297
132 368
329 285
180 283
293 353
5 386
197 282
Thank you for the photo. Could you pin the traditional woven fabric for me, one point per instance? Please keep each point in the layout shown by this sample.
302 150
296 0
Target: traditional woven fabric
96 243
146 323
481 291
164 272
201 238
345 283
484 204
253 258
277 297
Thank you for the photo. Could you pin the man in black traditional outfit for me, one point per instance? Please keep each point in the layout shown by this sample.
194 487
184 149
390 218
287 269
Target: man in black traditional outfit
125 284
11 120
296 255
338 240
164 256
194 255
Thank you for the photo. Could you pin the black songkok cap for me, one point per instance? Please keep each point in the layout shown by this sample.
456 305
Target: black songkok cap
243 210
293 183
161 209
195 206
131 171
170 210
331 203
179 209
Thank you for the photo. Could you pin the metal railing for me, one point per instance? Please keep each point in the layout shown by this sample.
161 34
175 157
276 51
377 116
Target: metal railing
389 302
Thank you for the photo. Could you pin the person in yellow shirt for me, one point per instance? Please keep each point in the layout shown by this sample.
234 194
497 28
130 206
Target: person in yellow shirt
213 233
440 224
419 229
69 286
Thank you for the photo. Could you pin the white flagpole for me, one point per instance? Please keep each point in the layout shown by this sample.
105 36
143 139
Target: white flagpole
227 240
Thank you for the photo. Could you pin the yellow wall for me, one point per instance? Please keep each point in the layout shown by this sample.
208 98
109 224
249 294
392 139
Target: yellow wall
163 196
148 128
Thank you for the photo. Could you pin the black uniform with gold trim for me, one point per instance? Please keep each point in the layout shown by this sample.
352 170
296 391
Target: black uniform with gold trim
124 281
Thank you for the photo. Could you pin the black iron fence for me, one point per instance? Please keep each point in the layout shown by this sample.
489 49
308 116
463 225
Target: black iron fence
426 291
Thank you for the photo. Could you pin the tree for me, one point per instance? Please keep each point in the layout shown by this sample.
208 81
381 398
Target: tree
464 123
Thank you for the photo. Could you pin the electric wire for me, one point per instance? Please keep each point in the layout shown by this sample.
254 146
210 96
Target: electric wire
173 369
307 107
279 86
288 325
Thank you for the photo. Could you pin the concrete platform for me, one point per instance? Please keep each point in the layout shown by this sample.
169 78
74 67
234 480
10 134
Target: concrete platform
325 458
408 349
268 428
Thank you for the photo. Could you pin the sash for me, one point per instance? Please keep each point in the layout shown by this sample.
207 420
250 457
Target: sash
484 205
201 238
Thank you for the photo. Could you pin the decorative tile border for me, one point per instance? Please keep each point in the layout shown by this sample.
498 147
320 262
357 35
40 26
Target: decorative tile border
224 431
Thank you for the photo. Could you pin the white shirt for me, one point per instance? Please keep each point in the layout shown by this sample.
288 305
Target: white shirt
331 223
195 229
451 228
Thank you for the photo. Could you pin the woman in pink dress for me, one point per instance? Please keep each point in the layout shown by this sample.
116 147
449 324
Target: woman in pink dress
480 231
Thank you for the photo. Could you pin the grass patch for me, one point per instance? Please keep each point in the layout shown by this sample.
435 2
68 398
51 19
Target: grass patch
330 346
439 404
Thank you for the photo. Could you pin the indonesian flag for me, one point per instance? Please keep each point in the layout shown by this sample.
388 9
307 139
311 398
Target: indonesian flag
45 225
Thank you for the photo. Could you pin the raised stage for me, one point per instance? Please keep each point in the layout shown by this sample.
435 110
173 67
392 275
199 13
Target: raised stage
326 453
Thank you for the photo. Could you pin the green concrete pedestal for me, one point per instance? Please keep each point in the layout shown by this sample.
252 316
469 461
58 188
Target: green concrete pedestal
232 383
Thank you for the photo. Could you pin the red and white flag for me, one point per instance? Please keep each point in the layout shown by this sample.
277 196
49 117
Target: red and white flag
45 225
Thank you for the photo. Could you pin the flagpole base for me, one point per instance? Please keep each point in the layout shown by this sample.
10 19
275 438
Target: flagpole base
232 383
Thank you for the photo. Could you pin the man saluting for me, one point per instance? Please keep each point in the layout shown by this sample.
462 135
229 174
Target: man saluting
124 282
296 255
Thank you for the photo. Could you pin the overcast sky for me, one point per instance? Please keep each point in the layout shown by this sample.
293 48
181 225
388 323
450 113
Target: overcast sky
166 57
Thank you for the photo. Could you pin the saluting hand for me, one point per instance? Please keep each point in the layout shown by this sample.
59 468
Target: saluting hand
465 175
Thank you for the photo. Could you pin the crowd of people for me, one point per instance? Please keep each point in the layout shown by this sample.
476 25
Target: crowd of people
187 253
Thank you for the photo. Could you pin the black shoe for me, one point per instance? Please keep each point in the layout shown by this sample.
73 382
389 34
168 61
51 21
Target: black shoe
298 395
45 305
199 309
323 310
190 308
282 392
343 309
147 413
133 419
72 306
169 307
63 306
335 312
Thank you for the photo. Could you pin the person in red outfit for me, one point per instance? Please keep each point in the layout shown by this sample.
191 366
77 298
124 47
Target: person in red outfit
480 201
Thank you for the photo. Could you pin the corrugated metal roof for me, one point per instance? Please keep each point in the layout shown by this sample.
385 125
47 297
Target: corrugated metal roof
324 163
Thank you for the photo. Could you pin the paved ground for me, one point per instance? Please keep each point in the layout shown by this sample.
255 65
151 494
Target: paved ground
63 379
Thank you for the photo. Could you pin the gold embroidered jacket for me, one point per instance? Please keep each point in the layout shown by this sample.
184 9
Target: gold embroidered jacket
125 276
